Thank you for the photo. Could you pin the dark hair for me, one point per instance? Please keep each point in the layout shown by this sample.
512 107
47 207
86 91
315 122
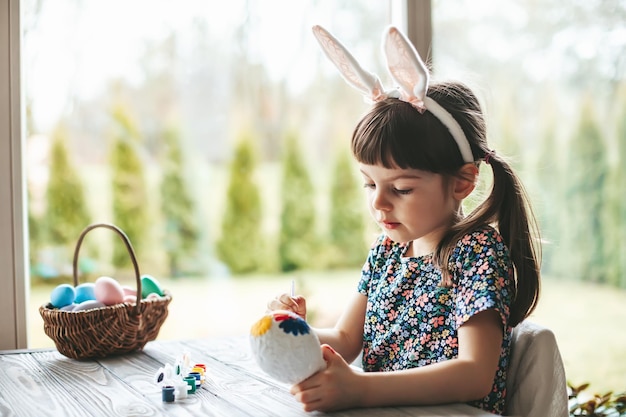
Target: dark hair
395 135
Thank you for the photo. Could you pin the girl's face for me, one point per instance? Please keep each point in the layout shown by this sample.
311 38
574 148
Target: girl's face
410 205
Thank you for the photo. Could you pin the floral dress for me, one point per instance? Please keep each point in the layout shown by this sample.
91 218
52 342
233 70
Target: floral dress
411 320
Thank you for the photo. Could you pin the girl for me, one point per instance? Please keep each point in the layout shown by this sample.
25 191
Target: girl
440 292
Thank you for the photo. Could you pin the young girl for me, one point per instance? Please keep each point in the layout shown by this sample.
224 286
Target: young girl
440 291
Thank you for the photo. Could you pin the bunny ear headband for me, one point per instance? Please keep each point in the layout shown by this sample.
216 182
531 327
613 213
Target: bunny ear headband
406 68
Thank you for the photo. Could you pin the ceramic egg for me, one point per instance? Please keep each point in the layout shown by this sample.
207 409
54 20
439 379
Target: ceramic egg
285 347
62 295
108 291
85 292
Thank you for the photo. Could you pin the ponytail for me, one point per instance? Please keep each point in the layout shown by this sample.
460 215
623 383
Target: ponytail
507 208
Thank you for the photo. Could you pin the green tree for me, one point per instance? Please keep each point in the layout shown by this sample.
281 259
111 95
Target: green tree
547 176
130 200
586 177
615 230
35 235
347 223
297 241
181 234
621 188
240 246
66 213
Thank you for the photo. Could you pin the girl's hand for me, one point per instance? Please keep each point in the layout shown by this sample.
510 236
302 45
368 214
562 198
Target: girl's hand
334 388
297 304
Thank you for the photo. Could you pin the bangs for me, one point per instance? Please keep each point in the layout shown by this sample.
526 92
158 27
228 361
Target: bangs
395 135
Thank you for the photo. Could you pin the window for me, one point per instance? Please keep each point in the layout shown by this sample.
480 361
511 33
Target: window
211 75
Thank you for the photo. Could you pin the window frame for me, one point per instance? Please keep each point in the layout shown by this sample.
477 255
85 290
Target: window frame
411 15
14 280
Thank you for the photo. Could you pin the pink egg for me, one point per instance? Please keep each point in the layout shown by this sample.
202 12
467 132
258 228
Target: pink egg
108 291
130 299
129 290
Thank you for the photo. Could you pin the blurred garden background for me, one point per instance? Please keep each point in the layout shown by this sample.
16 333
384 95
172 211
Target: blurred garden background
216 136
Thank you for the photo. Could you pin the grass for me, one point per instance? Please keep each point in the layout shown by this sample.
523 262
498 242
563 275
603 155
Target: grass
588 320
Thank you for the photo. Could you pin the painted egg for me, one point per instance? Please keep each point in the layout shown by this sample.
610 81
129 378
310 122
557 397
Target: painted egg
62 295
108 291
88 305
285 347
69 307
149 285
85 292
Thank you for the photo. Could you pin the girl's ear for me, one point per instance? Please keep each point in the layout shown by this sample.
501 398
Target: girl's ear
465 181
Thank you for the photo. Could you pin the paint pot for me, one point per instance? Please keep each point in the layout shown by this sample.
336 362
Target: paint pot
168 394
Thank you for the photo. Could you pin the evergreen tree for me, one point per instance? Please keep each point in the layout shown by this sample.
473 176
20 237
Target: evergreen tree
347 223
586 176
181 234
615 230
240 246
621 188
548 208
35 234
547 174
128 188
297 239
66 213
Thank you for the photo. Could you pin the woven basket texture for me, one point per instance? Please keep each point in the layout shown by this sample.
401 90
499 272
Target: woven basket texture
110 330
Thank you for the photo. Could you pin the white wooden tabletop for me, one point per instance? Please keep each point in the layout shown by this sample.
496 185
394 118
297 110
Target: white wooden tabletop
42 383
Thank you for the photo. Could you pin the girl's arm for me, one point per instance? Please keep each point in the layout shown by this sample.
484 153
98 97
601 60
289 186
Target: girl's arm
347 335
468 377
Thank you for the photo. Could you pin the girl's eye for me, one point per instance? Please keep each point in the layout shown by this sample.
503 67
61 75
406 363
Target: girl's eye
402 192
369 185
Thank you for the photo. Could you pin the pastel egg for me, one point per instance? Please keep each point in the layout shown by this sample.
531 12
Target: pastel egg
129 298
69 307
88 305
108 291
129 290
85 292
149 285
62 295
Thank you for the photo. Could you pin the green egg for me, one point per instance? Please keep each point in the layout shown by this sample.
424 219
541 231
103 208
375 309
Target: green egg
149 285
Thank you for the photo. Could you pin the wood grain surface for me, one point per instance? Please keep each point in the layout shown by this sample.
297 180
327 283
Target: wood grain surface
42 383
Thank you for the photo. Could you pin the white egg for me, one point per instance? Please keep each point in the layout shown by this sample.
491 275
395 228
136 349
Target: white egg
285 347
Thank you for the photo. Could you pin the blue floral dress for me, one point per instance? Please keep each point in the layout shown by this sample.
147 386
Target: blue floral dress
411 320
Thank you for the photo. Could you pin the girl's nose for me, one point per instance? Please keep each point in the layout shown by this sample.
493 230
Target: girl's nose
379 201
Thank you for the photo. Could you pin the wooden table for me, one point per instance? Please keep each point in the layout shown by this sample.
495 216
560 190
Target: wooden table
43 383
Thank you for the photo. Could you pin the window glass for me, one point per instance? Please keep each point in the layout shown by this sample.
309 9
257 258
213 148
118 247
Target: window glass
551 77
134 113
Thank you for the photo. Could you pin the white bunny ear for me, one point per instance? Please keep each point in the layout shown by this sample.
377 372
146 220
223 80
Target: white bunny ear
410 72
406 67
366 82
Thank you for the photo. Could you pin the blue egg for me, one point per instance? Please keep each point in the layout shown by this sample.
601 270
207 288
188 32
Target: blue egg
85 292
62 295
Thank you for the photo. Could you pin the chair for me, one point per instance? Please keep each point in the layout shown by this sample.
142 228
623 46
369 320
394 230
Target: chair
536 383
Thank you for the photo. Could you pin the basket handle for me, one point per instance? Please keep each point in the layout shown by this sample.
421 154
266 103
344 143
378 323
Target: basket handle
129 247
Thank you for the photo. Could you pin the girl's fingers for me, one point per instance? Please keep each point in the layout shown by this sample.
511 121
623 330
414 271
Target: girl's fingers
283 302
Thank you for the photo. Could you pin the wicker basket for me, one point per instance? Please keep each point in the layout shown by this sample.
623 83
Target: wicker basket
110 330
